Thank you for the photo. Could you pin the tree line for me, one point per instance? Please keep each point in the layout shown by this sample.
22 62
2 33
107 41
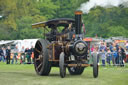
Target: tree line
18 15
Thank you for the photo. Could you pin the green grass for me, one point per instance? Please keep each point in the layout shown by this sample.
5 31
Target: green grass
25 75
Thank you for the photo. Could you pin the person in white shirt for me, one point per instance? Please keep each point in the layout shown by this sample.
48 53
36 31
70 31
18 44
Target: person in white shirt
22 57
15 51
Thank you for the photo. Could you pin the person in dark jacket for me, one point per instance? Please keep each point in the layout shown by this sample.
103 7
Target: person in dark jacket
111 47
28 55
122 55
8 55
117 58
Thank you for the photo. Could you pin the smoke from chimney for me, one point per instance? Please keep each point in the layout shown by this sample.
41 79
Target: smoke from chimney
86 7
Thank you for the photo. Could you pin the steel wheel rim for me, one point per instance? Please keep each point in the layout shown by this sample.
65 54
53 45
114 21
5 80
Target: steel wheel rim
38 59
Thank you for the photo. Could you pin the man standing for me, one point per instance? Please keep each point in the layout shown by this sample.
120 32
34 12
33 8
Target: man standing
15 55
28 55
122 56
22 57
102 47
4 54
8 55
32 54
117 58
102 50
111 47
0 54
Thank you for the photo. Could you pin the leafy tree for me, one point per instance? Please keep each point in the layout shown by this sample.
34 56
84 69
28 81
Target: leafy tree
117 31
47 8
19 15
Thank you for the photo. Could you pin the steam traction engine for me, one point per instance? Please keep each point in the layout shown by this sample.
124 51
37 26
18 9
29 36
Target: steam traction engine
62 47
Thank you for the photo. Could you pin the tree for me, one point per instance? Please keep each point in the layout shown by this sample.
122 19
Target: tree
47 8
19 15
117 31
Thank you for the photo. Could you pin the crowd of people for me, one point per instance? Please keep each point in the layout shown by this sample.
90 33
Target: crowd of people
113 54
11 56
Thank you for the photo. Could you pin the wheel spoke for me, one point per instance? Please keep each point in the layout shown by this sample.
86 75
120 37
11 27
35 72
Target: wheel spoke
37 59
39 45
37 50
40 57
39 66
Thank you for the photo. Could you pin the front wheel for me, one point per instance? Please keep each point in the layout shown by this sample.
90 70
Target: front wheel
95 66
62 66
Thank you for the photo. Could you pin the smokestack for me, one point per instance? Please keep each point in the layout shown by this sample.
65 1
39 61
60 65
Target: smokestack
78 22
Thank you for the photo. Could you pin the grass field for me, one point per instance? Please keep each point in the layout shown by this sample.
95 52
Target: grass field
25 75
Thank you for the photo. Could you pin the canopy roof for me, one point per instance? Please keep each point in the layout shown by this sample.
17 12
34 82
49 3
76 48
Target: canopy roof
6 42
54 23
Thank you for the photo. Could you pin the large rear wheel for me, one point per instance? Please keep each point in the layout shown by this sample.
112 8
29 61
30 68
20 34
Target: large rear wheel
41 63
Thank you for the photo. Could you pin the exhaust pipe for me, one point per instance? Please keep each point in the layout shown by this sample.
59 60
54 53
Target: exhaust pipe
78 22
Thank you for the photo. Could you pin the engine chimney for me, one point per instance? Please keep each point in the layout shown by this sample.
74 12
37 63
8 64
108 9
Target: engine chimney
78 22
